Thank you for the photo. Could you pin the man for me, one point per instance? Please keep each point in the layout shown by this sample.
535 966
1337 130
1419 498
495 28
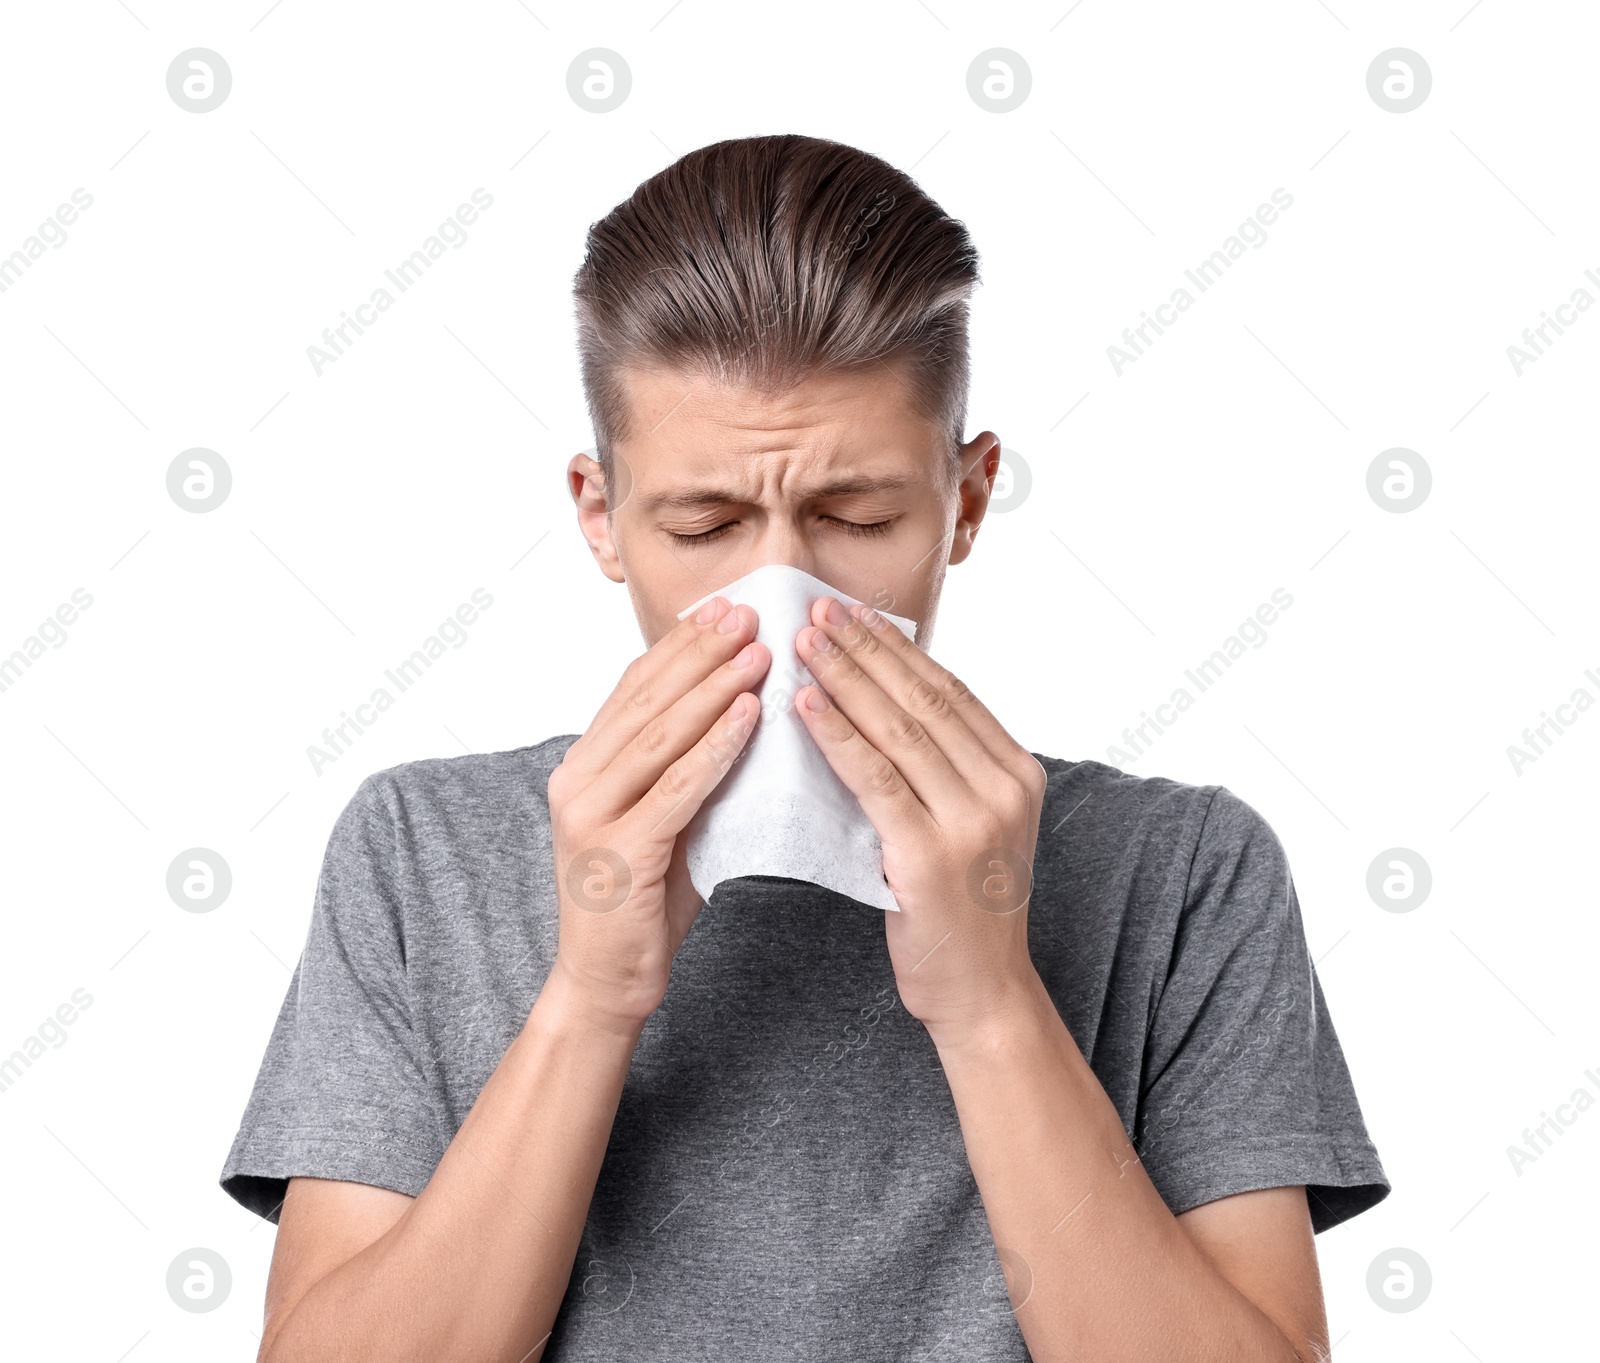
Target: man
1095 1111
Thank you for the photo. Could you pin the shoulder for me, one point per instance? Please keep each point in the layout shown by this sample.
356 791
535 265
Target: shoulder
424 842
460 787
1123 791
1173 835
444 817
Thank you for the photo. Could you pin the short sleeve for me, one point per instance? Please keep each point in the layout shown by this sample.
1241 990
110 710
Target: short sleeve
1245 1085
341 1092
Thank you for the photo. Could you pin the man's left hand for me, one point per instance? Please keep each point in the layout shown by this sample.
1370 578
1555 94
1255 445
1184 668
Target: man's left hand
955 800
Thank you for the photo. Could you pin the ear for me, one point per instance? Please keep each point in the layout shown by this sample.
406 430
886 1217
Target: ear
980 462
589 494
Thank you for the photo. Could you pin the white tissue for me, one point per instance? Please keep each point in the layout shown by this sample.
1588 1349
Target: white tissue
780 810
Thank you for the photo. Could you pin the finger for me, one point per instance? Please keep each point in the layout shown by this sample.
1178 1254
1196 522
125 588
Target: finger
974 739
910 678
890 731
682 788
881 788
677 662
669 736
904 715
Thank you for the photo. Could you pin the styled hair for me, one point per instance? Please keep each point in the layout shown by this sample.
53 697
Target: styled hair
761 260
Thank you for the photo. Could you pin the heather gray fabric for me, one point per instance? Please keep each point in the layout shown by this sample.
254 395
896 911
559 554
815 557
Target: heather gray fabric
786 1176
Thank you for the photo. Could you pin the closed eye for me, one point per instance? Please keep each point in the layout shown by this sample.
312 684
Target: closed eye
849 527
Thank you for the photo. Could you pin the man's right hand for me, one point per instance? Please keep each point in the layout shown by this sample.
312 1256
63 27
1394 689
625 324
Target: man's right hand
362 1273
657 748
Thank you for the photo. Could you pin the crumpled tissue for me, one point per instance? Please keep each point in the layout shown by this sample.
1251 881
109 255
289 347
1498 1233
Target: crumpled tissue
780 809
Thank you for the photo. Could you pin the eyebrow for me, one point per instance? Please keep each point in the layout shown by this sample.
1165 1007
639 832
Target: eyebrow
689 498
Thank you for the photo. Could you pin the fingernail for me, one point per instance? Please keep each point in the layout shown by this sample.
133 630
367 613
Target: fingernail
708 612
745 656
870 618
815 700
729 622
821 642
837 614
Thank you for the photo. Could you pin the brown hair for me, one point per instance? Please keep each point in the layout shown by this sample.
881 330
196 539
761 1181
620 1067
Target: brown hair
764 259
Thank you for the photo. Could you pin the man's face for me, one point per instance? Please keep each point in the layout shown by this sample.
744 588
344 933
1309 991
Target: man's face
839 476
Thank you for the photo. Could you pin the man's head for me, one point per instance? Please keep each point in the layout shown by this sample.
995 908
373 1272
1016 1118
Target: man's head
773 336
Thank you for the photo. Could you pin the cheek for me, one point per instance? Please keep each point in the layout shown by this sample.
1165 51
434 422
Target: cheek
908 599
916 596
655 613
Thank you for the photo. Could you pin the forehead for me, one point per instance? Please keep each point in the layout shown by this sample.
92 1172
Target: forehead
686 419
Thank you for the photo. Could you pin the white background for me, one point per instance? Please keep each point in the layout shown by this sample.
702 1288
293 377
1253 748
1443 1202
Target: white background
1167 502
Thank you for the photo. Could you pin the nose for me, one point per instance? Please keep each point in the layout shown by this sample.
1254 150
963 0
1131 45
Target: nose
781 541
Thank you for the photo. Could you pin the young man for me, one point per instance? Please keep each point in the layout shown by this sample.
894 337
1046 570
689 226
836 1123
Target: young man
1098 1112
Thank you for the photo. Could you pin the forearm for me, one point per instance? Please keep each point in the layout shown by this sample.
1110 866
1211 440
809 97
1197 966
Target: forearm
1097 1265
477 1265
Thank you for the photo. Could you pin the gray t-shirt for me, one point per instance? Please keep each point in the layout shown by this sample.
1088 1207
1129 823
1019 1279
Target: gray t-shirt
786 1176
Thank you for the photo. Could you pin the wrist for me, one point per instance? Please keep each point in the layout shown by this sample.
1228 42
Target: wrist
1015 1013
565 1004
